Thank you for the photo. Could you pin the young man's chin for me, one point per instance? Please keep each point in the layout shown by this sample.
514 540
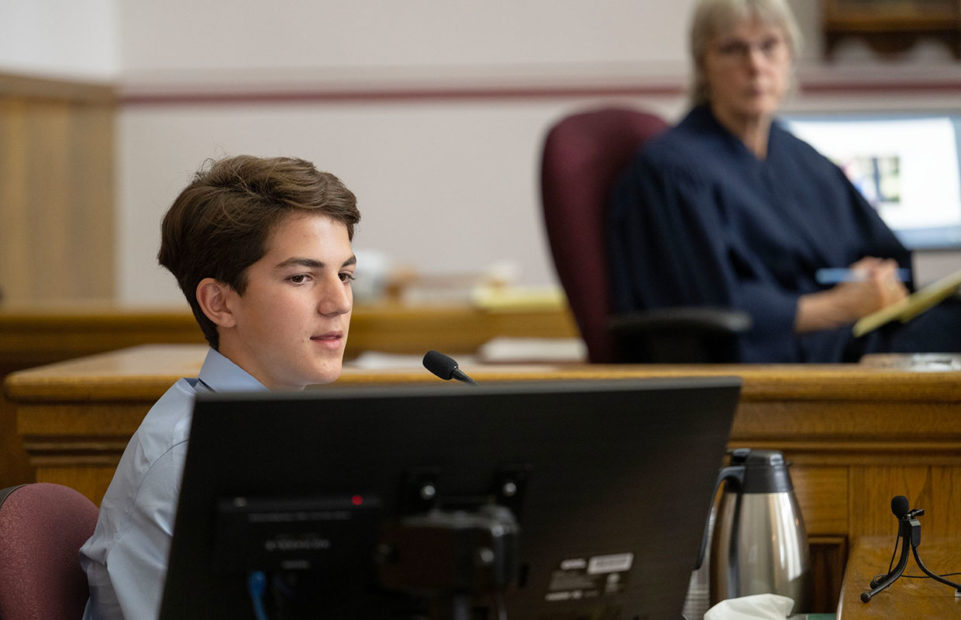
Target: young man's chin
327 374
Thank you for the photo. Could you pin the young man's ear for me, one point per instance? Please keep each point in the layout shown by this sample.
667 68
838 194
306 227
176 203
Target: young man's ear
212 296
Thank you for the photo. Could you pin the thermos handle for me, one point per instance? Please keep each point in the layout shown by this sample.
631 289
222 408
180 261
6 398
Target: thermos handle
735 473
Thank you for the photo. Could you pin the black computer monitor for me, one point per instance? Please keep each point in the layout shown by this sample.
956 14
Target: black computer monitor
588 497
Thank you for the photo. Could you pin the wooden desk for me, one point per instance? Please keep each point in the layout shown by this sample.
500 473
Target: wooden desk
40 334
905 598
856 436
37 334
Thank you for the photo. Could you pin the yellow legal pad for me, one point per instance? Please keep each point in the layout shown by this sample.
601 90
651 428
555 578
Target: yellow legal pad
911 306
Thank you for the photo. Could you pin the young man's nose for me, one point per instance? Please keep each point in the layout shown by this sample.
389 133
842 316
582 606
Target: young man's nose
335 298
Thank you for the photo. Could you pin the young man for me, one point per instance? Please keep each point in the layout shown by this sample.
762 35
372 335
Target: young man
261 249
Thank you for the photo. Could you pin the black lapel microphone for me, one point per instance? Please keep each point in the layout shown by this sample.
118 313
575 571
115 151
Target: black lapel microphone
909 539
445 367
900 506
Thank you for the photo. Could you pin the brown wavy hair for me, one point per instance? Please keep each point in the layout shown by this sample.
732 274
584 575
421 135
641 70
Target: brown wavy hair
219 224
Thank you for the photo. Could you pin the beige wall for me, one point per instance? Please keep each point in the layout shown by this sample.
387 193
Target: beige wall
433 111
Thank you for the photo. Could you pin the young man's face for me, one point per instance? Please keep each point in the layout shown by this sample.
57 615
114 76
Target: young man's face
290 325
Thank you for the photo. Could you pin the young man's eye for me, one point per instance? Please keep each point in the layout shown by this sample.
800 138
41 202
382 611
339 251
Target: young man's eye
299 278
347 277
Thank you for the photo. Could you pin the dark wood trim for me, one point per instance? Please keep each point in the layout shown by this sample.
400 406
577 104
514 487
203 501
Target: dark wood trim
891 28
252 95
198 96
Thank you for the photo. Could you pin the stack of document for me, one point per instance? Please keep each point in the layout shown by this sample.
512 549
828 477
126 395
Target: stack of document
519 350
519 298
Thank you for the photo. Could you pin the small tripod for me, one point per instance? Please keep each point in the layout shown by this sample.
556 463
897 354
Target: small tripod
909 532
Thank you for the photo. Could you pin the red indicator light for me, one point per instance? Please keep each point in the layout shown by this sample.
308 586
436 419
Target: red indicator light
357 500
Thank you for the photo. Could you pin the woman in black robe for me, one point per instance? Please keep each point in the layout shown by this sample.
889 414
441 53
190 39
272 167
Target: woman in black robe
730 209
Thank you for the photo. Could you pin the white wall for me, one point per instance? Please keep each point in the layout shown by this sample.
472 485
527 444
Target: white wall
177 35
432 111
444 167
442 186
60 38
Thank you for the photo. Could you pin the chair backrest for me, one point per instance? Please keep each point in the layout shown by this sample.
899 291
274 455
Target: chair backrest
583 154
42 527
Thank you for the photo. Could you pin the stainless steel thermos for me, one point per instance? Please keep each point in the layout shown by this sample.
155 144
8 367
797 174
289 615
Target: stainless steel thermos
758 543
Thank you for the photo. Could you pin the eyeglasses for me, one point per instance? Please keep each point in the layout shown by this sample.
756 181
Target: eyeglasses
736 50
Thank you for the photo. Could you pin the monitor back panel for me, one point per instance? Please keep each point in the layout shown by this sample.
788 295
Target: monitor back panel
620 479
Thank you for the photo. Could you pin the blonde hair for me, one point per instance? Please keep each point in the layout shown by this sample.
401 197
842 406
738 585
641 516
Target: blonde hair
715 17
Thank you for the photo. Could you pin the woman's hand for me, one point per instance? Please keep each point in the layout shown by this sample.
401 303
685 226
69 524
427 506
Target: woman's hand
876 286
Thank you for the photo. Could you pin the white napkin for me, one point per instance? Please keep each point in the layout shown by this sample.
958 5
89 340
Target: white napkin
754 607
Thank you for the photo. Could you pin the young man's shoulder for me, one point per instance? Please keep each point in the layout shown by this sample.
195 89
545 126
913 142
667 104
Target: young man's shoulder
168 421
160 437
166 426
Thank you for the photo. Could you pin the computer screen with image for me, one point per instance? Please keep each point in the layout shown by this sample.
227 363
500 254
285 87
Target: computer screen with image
535 500
906 166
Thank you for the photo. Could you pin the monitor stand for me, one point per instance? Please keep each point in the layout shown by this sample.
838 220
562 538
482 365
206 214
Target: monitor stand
451 558
456 551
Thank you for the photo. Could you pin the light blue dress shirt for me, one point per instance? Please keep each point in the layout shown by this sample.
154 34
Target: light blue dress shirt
126 558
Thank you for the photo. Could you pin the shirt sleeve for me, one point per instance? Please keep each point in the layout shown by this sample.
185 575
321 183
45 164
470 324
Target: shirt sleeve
669 247
137 562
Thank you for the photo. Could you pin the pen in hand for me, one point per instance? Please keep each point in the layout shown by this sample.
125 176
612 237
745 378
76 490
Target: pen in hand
835 275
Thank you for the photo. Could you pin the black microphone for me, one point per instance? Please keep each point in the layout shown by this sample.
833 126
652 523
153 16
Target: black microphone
445 367
900 506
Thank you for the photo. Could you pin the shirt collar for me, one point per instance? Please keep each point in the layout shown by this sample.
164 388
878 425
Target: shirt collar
219 374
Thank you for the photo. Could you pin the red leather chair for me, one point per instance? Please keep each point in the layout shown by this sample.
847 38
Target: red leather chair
42 527
582 156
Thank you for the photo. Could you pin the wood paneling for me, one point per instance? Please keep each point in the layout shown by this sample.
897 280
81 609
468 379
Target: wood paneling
934 487
828 557
56 190
854 436
822 493
892 27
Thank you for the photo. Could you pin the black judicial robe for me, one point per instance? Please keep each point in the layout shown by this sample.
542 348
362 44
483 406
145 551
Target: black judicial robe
697 219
